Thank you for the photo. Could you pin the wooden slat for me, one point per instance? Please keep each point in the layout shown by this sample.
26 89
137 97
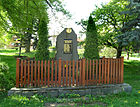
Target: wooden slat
116 71
99 71
21 76
38 73
52 62
87 73
66 73
48 73
96 71
24 73
35 73
63 72
111 70
69 73
55 72
93 70
108 69
45 73
122 67
17 72
31 73
105 64
77 73
59 72
41 72
119 70
73 71
80 72
89 69
103 70
28 72
83 72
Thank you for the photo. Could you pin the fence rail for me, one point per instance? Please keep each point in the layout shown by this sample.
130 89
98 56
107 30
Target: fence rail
58 73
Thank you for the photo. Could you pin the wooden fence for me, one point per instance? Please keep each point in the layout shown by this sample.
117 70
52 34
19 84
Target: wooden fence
58 73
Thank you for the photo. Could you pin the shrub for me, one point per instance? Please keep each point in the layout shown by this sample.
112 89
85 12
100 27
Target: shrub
108 52
5 78
91 43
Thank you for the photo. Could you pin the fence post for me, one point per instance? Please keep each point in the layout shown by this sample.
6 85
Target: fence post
17 72
59 75
122 65
83 70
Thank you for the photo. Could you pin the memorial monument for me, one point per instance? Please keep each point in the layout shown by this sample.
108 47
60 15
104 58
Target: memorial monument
66 45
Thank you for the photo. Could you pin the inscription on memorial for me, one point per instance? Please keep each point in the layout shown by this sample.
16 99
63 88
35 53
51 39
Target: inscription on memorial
67 46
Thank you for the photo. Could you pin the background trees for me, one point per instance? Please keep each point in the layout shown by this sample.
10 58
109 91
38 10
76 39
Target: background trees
21 18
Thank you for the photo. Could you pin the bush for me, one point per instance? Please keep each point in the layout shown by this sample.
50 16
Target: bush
108 52
5 78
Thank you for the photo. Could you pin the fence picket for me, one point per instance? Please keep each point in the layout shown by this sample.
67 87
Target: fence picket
80 72
28 72
35 74
66 73
99 71
87 73
59 72
24 73
96 71
63 72
52 63
77 73
55 72
69 73
93 70
45 74
48 73
73 69
108 69
31 73
105 71
38 73
17 72
21 76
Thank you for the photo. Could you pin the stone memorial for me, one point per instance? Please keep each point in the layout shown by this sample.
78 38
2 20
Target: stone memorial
66 45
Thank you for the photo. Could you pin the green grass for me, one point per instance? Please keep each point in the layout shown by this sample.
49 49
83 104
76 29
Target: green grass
131 76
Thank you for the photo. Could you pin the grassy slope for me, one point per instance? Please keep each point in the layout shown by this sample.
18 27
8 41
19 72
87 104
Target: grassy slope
131 76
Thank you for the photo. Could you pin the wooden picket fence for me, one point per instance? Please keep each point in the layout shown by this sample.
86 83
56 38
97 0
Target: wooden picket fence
58 73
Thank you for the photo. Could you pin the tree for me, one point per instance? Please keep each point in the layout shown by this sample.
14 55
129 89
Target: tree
131 29
22 15
110 21
91 43
42 52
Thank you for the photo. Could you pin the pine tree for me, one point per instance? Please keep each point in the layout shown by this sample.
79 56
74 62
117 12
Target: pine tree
42 52
91 47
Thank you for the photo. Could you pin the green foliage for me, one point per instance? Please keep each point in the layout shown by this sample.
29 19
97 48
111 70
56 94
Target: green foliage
91 43
5 82
42 52
108 52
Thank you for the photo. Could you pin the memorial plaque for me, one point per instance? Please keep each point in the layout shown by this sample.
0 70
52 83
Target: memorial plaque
66 45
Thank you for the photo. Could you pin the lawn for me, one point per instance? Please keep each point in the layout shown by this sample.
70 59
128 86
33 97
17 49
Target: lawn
131 76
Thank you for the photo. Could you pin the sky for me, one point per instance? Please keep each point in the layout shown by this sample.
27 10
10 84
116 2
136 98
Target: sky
79 9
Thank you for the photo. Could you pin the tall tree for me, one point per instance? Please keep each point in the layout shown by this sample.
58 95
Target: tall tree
91 43
110 21
42 52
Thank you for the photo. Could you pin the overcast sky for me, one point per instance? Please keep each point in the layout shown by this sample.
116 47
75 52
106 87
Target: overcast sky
80 9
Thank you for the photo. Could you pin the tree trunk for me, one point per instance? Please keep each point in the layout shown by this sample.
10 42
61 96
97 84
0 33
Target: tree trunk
127 54
27 42
119 52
